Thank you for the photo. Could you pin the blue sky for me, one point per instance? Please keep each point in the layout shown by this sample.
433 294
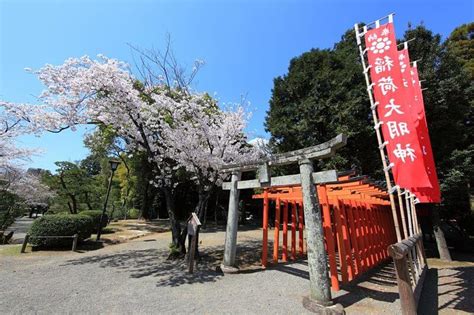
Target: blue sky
245 44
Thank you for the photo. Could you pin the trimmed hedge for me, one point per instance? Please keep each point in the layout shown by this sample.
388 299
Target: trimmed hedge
60 225
95 215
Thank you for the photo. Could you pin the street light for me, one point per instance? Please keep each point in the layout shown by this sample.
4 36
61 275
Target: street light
113 167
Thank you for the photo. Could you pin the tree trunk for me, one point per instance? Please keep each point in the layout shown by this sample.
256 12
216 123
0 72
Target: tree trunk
216 208
70 207
205 213
439 236
174 223
88 203
202 204
201 211
145 203
111 213
74 204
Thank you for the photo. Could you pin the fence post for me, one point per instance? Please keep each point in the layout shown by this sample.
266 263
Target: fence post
192 252
407 300
399 253
25 242
74 242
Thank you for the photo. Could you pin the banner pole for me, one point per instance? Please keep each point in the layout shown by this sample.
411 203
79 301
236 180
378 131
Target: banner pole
377 124
388 16
410 216
402 212
415 215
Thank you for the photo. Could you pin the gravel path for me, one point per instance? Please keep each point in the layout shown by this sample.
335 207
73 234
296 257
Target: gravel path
135 277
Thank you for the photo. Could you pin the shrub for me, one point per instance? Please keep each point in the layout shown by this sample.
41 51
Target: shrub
96 215
60 225
133 213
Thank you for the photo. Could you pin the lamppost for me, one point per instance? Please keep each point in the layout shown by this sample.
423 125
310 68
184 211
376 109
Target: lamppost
113 167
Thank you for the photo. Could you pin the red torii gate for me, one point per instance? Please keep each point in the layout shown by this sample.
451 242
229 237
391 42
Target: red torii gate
357 224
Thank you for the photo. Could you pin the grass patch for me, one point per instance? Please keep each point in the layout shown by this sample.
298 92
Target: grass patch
12 250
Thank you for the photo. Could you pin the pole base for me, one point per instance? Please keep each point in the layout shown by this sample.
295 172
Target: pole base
318 308
229 269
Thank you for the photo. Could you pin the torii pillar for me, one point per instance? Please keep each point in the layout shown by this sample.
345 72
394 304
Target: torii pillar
232 225
319 299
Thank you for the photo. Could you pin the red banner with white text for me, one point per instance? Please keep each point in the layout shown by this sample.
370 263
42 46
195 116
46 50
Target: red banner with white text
393 109
424 194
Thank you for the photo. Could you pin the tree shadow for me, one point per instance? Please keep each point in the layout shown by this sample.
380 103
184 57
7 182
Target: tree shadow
457 294
292 269
378 283
171 272
211 228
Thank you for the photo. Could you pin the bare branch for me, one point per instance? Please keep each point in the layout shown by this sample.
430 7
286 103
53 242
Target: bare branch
161 67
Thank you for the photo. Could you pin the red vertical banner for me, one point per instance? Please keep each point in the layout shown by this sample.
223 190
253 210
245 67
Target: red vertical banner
399 131
424 194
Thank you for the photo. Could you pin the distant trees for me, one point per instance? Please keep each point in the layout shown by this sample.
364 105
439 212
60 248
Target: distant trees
21 191
31 190
75 186
323 94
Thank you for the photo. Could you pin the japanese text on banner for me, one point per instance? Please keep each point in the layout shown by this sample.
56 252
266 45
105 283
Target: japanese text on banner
398 130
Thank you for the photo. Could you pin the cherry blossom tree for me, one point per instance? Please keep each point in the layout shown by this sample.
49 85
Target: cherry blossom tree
103 91
11 155
31 190
176 128
201 137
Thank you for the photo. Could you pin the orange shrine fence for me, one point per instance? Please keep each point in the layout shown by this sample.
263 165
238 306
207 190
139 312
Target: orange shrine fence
357 222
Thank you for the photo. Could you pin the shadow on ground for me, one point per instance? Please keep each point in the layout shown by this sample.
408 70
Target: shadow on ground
378 284
154 263
448 289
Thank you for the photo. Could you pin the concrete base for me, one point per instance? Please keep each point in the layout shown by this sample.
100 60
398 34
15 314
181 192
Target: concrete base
316 307
229 269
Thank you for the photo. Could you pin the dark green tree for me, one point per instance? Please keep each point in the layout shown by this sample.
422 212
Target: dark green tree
324 93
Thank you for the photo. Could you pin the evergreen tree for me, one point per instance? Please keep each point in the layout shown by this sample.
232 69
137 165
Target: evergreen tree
324 94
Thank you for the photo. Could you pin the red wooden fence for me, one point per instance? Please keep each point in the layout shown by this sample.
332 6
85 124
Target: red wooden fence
357 223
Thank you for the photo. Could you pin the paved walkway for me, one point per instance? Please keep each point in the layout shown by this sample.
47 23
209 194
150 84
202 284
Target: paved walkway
20 227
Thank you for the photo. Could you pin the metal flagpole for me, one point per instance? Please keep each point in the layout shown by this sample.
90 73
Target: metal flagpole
377 124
